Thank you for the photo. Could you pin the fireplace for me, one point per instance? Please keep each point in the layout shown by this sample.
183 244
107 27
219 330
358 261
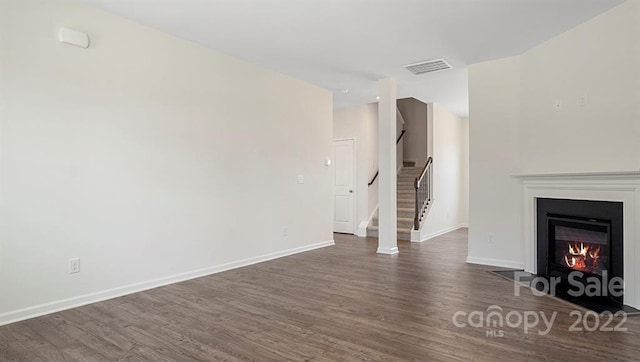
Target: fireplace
580 242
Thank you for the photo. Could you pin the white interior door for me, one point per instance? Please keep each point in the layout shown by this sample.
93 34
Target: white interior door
344 157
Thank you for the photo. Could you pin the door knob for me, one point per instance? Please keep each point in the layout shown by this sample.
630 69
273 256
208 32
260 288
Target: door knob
350 191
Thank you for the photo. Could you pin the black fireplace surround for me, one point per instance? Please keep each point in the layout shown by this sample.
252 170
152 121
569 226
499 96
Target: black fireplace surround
584 236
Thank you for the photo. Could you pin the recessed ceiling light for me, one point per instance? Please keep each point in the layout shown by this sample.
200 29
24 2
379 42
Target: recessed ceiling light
378 97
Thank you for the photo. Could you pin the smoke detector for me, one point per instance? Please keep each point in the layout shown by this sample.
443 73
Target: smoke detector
428 66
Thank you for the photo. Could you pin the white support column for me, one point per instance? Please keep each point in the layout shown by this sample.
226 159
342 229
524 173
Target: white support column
387 194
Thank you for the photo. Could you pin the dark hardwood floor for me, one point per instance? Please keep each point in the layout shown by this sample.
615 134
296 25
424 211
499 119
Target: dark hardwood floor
343 302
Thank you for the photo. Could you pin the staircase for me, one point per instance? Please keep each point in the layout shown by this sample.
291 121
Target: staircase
406 203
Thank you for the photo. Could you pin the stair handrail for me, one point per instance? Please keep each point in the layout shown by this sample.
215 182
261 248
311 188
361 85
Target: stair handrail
373 179
424 192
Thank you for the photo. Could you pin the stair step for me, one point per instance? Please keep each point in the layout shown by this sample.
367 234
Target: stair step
403 222
407 212
403 233
405 202
409 185
407 192
404 230
404 212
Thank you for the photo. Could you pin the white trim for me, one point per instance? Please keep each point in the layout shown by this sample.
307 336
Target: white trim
416 235
356 191
438 233
600 186
580 175
64 304
388 251
373 214
400 165
495 262
362 228
398 113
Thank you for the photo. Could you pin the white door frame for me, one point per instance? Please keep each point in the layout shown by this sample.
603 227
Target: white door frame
355 181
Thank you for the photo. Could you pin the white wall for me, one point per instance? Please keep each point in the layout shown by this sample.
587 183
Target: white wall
515 128
465 172
600 60
400 145
360 123
372 157
494 155
448 211
148 157
415 146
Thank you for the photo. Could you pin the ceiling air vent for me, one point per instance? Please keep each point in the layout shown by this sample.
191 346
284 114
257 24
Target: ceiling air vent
428 66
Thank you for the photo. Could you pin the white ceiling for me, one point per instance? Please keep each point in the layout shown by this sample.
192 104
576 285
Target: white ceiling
338 44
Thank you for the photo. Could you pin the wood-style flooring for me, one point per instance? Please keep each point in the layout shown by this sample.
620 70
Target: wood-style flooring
343 302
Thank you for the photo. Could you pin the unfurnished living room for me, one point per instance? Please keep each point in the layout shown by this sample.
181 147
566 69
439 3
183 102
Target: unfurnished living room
319 180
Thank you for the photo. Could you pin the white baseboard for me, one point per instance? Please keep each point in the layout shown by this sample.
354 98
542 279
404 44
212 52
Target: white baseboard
361 231
496 262
389 251
373 214
438 233
362 227
415 236
64 304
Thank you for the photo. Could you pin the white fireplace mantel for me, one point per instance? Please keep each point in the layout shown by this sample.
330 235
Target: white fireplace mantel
580 175
619 186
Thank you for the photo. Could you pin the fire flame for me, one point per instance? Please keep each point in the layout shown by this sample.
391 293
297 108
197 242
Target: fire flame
582 257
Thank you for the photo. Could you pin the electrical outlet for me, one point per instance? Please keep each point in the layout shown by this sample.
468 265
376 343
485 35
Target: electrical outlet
300 179
74 265
492 238
285 232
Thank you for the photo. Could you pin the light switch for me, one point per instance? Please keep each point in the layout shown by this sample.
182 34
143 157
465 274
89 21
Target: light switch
300 179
